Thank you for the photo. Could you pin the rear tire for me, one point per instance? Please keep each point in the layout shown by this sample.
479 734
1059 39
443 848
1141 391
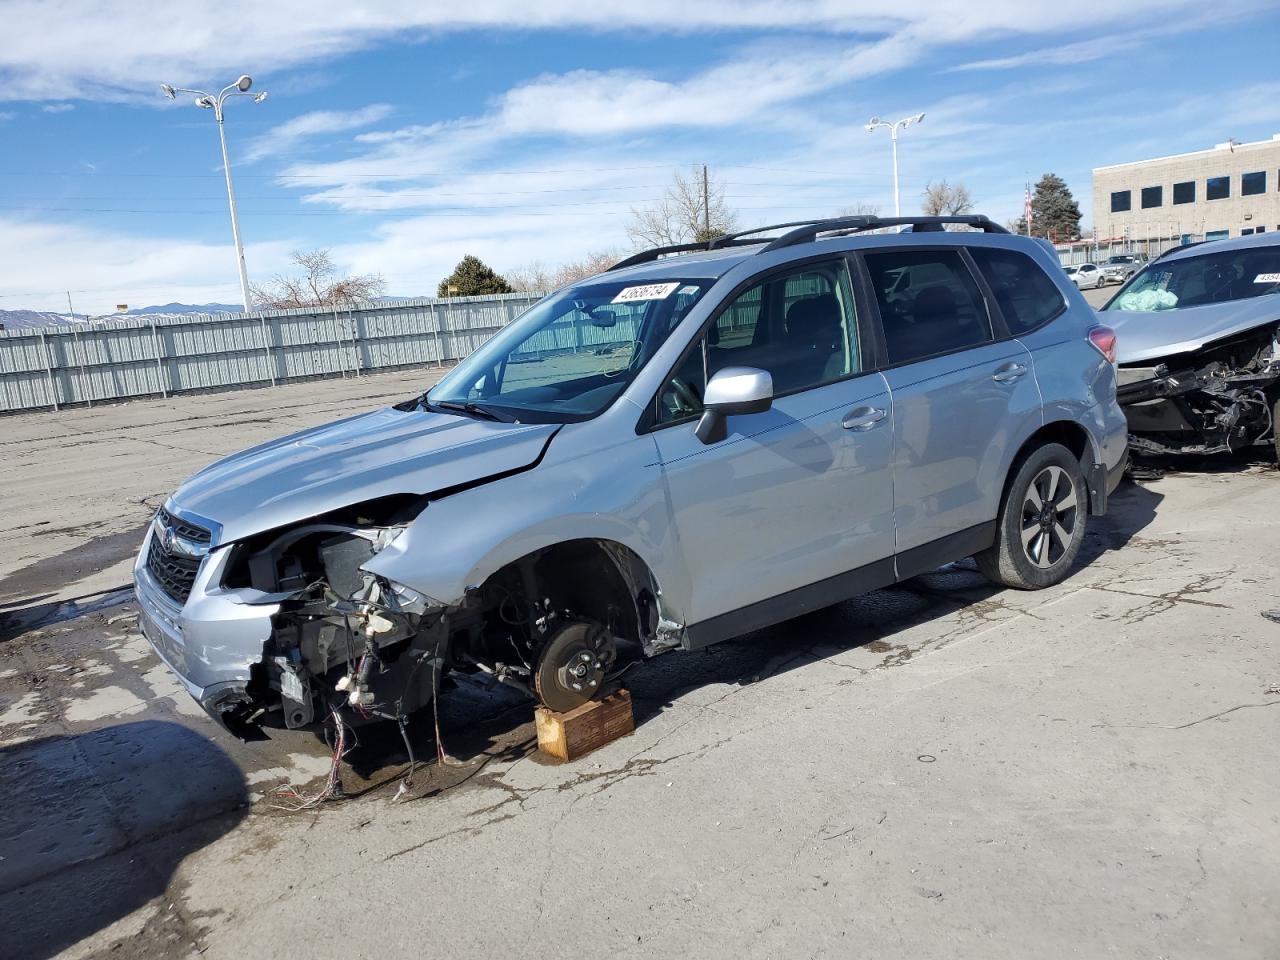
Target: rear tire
1041 523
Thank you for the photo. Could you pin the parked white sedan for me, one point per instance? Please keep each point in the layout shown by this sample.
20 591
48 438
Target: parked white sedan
1086 275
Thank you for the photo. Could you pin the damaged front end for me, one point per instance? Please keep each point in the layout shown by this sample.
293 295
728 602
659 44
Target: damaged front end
290 628
281 629
1215 399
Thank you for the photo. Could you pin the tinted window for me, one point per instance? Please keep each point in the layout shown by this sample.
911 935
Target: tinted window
1120 201
1184 192
929 303
1251 183
1152 197
1027 297
801 326
1217 188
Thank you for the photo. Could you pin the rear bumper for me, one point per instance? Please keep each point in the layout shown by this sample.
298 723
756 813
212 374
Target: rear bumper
1116 473
211 642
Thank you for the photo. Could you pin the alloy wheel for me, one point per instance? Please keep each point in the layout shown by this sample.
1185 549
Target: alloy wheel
1049 512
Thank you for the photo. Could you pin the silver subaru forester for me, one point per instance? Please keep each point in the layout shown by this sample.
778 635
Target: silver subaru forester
702 441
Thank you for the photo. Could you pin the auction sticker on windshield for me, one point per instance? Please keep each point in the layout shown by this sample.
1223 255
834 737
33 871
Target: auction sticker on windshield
1267 278
648 291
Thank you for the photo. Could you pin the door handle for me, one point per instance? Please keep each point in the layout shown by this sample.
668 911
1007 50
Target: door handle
862 418
1009 372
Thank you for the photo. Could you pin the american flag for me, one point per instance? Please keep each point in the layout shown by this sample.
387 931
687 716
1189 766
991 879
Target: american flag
1026 207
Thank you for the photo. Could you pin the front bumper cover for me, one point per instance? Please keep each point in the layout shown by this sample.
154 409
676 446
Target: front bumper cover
211 642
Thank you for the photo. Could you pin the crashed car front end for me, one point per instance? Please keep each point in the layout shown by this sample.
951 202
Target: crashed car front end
1199 347
1215 399
254 629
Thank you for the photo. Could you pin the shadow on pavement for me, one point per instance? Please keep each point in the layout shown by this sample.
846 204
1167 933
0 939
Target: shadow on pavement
95 825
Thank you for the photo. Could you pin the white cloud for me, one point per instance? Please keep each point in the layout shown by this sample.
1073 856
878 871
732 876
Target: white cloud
58 107
102 268
588 144
288 135
58 49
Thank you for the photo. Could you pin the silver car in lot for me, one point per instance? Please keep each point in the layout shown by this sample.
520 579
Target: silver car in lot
1200 347
1121 266
700 442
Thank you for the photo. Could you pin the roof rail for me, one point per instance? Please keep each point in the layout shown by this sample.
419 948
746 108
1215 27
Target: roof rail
645 256
802 231
846 225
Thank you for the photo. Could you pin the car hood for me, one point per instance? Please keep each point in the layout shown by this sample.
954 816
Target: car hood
1142 335
361 458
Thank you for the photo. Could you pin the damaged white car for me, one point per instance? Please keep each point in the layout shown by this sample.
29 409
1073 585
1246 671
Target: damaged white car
1199 348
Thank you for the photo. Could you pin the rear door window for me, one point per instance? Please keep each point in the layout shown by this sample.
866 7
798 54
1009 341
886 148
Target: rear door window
1026 297
929 303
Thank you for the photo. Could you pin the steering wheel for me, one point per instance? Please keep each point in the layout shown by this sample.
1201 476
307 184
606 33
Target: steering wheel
685 397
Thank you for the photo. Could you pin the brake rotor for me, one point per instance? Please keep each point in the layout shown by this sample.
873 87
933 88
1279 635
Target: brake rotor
572 666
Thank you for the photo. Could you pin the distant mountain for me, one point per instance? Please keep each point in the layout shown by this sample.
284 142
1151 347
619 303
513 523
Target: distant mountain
181 308
27 319
37 319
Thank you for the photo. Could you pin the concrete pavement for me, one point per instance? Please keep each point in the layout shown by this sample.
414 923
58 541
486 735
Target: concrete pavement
943 769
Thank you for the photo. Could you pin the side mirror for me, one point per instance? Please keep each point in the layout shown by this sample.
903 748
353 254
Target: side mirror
731 391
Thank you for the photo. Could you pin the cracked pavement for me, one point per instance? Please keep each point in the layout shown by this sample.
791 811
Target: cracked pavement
941 769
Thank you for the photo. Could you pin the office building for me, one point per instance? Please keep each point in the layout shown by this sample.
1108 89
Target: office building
1230 191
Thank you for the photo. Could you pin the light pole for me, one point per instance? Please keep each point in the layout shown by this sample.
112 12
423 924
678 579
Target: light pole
893 136
208 101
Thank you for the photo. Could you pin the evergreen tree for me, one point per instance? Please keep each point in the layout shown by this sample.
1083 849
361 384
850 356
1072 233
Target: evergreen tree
1054 211
472 277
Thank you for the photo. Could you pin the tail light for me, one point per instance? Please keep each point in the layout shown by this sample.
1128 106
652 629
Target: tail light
1104 338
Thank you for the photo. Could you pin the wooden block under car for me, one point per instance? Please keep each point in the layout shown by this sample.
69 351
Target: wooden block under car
569 735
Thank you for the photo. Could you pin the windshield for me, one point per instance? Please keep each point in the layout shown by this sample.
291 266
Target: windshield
570 355
1209 278
1070 270
1122 258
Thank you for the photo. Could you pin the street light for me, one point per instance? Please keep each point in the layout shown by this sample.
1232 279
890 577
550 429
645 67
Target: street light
893 135
208 101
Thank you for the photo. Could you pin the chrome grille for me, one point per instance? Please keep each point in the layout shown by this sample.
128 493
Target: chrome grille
188 531
175 569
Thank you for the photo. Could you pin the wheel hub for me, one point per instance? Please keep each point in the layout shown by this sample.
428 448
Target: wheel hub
573 666
1049 516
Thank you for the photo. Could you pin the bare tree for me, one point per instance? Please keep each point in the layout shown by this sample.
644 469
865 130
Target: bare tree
319 286
692 209
860 209
536 277
943 199
529 278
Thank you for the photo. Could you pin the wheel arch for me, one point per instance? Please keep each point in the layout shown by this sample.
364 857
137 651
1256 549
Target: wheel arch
599 579
1069 434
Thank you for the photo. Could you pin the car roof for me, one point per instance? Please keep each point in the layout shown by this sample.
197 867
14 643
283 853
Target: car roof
713 264
1218 246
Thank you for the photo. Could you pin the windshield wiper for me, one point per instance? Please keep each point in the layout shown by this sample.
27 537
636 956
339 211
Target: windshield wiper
474 409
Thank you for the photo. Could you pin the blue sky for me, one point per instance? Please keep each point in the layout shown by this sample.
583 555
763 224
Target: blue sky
403 137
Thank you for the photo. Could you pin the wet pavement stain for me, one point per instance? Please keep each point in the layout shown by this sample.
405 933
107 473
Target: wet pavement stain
31 583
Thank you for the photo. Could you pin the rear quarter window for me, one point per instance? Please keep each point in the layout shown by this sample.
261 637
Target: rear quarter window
1026 296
